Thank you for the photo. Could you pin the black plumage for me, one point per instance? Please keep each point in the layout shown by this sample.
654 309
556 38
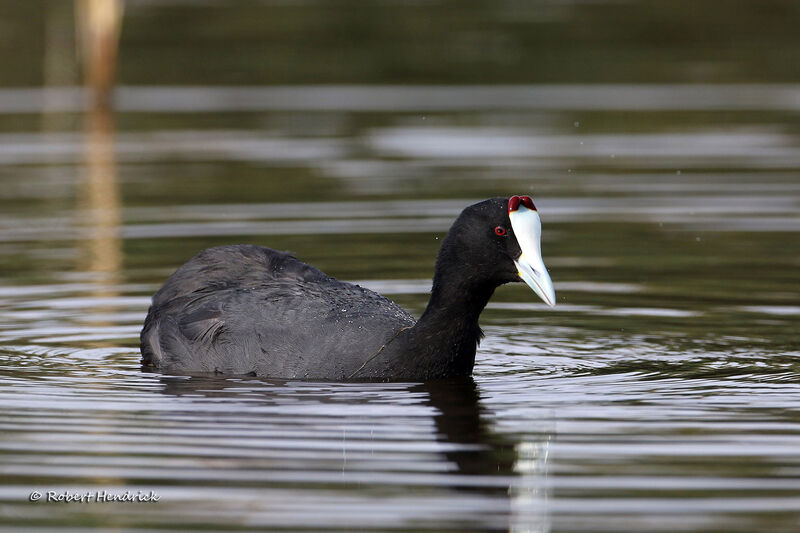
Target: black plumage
249 310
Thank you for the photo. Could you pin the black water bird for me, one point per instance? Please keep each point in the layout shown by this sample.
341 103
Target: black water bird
249 310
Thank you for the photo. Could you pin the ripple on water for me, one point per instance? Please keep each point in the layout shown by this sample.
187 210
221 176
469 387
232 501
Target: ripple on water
654 397
553 417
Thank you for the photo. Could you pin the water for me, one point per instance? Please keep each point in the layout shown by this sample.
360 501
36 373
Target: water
660 394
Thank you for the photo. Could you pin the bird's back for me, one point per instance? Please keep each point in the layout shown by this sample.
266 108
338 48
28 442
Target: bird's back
252 310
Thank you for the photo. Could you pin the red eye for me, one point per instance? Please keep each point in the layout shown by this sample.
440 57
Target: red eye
500 230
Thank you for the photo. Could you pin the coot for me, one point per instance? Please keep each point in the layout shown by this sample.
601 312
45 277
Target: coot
249 310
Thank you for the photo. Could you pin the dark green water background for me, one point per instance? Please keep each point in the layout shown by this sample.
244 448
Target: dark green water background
660 140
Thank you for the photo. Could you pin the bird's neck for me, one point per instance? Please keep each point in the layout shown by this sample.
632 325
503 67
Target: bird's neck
445 338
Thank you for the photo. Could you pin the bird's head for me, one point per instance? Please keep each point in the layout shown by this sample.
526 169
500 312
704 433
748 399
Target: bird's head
499 241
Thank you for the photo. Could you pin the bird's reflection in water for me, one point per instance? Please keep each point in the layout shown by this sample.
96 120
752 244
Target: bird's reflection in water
508 469
529 491
462 420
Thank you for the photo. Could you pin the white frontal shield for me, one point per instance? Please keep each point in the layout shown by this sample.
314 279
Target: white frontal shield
528 229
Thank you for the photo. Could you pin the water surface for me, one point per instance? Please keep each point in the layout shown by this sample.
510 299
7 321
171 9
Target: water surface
660 394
